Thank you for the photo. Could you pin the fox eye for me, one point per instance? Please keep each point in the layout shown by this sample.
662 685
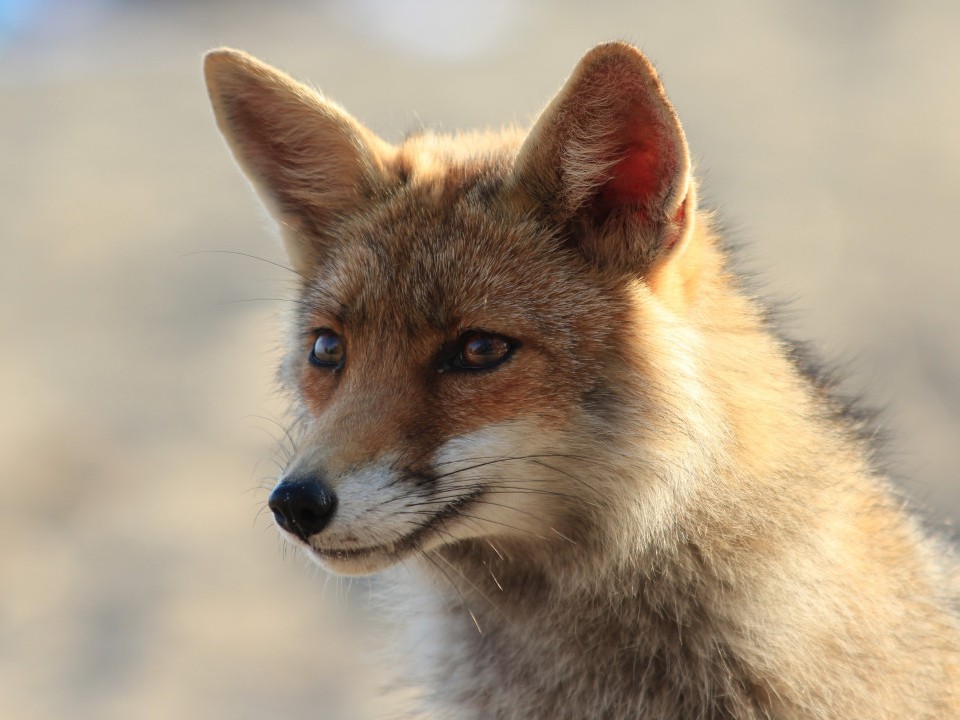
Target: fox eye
327 351
480 350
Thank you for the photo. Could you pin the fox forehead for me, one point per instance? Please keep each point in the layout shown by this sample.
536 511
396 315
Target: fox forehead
439 256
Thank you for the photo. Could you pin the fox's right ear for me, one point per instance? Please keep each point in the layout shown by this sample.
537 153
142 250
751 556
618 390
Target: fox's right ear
308 159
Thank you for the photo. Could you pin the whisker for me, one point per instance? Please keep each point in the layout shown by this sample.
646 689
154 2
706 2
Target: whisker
495 549
502 524
455 588
263 483
428 451
236 301
286 432
259 514
495 484
569 540
246 255
500 458
470 582
541 463
256 467
484 501
534 458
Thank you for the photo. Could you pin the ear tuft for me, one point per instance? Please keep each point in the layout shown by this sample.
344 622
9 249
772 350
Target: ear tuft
608 156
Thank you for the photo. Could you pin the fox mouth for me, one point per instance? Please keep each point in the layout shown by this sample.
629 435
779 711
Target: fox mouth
403 546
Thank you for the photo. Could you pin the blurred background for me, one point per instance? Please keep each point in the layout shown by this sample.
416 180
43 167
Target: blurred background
139 575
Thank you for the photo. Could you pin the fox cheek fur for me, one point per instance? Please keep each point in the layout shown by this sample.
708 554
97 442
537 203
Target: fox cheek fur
522 367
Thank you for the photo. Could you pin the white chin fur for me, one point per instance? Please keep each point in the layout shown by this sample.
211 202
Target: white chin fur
365 565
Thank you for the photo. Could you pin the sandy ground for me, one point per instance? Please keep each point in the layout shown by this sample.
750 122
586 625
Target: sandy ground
137 579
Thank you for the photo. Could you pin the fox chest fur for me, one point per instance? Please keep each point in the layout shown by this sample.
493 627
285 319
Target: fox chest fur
522 370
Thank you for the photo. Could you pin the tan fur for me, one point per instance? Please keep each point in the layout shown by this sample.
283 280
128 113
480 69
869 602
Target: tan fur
648 511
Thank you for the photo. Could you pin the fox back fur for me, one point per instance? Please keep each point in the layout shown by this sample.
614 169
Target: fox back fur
522 367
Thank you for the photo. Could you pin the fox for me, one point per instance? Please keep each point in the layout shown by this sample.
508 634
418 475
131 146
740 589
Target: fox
523 368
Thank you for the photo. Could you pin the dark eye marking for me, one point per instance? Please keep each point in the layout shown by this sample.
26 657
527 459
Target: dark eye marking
328 351
478 350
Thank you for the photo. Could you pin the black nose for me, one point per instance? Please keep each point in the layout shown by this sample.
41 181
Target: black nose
303 506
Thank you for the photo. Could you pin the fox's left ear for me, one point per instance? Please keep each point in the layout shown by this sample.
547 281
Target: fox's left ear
608 158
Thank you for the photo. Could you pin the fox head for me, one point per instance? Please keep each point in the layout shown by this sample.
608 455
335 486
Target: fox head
488 348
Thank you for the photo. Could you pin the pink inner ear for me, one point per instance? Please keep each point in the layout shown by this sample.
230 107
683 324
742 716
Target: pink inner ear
647 162
637 180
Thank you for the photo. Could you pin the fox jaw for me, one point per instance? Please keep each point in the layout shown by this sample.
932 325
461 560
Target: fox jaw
487 350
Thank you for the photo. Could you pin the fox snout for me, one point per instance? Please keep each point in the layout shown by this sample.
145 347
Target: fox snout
303 506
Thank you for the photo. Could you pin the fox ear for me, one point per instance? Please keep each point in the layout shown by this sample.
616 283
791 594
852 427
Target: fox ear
308 159
608 159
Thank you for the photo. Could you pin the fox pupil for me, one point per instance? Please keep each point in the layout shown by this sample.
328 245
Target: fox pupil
327 350
483 350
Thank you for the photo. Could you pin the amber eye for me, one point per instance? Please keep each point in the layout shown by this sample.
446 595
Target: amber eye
327 351
480 350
